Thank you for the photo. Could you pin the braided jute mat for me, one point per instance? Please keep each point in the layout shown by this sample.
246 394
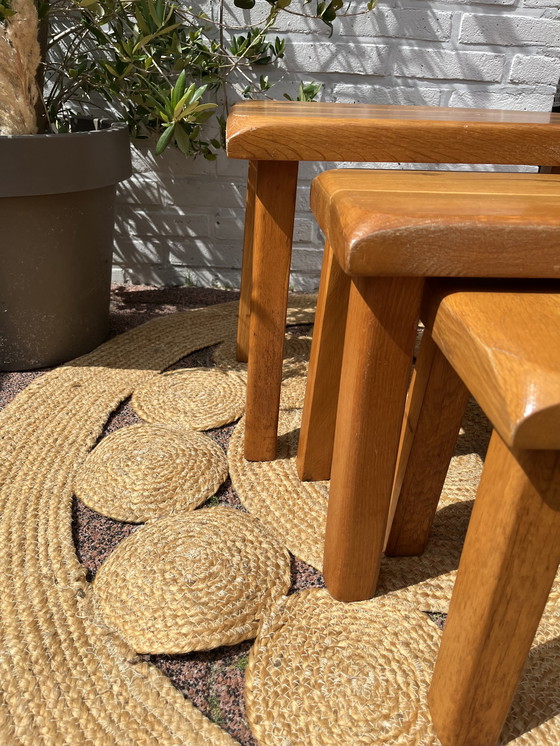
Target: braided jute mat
146 471
197 398
324 673
192 582
68 678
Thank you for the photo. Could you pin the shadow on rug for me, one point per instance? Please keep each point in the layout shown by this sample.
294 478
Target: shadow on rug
138 574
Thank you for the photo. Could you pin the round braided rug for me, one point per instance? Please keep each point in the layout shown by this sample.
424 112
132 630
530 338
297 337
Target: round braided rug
192 583
296 350
292 395
193 398
324 672
67 678
294 368
301 308
145 471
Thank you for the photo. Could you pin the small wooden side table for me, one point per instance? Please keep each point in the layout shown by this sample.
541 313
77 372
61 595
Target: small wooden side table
275 136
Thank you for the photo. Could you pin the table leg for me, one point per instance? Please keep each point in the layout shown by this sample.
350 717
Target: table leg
378 348
436 403
318 421
507 568
275 196
244 314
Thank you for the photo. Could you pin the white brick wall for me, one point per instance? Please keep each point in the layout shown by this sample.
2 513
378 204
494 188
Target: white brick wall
181 221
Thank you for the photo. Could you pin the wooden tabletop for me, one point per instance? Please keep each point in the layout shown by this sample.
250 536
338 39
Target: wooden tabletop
440 223
298 131
504 342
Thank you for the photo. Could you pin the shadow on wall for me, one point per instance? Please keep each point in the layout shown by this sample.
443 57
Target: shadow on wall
498 60
168 218
180 221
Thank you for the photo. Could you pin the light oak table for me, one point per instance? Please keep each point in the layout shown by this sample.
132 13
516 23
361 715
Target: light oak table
502 344
386 232
275 136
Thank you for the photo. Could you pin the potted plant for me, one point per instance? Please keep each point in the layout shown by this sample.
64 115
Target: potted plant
57 198
157 67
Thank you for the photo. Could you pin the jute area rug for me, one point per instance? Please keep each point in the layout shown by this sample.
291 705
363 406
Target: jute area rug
208 564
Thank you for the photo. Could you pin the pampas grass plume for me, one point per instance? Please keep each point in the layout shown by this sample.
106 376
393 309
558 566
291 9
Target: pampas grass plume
19 58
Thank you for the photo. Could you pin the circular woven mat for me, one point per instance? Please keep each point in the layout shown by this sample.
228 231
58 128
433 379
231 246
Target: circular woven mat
301 308
67 678
323 672
192 583
194 398
146 471
294 368
296 350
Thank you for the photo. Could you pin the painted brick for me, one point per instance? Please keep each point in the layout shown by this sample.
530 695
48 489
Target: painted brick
367 94
355 59
162 251
416 62
141 189
292 24
306 259
540 3
304 230
479 2
229 225
509 30
535 69
519 100
202 193
171 161
406 24
231 168
304 282
308 171
157 221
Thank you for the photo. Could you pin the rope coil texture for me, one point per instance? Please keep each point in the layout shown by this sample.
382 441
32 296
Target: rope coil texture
195 582
146 471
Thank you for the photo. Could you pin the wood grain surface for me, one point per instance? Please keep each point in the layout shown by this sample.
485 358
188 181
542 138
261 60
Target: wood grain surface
507 568
274 224
378 347
449 224
505 345
289 130
318 421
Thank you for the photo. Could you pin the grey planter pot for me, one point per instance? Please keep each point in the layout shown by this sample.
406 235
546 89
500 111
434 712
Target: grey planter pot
57 204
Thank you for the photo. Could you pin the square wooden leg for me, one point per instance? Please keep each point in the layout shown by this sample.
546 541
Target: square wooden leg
507 568
316 438
378 348
275 196
244 314
436 403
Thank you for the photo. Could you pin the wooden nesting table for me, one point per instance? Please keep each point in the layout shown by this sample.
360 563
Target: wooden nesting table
276 136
